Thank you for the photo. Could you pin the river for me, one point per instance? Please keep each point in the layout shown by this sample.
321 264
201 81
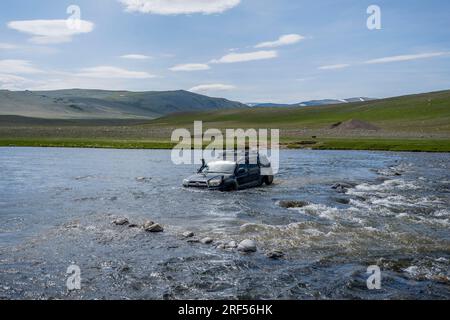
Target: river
57 205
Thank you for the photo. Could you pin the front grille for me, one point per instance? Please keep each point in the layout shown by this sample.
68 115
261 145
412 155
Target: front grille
198 184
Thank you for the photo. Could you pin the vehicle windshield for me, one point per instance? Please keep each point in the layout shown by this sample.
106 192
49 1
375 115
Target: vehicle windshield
220 167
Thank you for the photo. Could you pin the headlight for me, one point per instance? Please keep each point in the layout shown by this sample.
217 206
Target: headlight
186 182
215 182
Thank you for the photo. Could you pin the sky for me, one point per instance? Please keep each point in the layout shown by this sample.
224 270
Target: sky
279 51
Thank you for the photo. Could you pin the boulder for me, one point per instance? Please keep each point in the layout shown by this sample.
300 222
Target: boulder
275 254
188 234
247 246
121 221
155 228
342 187
207 240
148 224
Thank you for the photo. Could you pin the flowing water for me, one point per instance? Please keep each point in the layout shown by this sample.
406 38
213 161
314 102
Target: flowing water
57 205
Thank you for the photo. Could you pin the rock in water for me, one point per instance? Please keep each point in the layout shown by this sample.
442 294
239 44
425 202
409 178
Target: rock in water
188 234
121 221
206 240
293 204
247 246
147 224
275 254
155 228
231 245
343 187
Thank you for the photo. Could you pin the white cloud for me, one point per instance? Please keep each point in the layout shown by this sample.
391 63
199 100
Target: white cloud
334 67
285 40
174 7
190 67
249 56
12 82
406 57
7 46
136 57
17 67
204 88
108 72
51 31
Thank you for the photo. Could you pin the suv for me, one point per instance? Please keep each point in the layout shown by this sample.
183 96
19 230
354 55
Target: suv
238 174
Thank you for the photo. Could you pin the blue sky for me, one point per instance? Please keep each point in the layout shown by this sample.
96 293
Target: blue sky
248 50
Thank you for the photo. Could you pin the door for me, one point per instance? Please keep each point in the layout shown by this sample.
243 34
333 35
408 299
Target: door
242 175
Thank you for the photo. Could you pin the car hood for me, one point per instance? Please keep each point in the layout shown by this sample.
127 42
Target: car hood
205 177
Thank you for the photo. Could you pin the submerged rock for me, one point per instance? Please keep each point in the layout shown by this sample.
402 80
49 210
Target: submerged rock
207 240
155 228
342 187
120 221
342 200
293 204
275 254
247 246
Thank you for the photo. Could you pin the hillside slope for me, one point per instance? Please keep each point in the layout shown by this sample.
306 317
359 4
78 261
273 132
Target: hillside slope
429 112
99 104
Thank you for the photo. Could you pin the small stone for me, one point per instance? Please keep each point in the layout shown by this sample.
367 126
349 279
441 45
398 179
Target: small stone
188 234
247 246
193 240
142 179
221 246
155 228
231 245
342 187
342 200
207 240
121 221
293 204
133 225
148 224
275 254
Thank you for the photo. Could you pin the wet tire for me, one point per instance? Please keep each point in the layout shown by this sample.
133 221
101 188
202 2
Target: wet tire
268 180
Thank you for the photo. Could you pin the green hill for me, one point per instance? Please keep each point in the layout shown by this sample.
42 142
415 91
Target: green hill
409 123
429 112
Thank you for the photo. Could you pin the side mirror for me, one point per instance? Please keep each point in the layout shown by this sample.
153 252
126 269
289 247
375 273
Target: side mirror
241 171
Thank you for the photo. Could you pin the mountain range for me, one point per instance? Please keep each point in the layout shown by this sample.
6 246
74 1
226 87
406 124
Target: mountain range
310 103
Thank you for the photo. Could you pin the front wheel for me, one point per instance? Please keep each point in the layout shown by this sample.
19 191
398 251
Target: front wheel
268 180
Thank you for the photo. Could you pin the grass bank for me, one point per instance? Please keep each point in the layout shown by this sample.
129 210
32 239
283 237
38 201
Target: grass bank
375 144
